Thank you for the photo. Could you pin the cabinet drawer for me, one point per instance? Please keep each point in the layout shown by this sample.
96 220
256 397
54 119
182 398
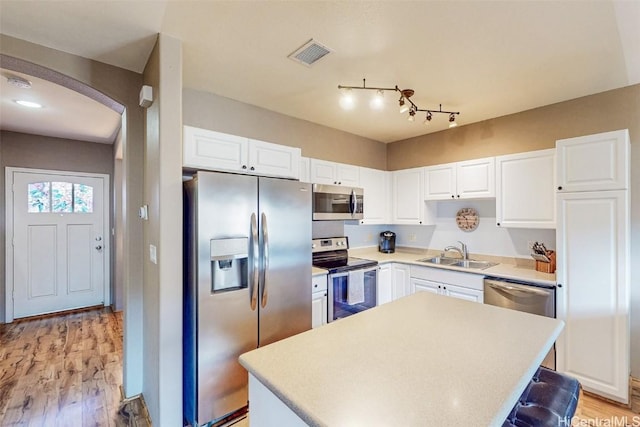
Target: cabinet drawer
319 283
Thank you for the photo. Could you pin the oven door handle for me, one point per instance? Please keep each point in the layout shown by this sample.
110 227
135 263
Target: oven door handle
346 273
510 289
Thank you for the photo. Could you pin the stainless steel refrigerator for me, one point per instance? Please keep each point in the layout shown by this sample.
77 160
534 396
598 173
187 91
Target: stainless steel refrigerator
247 281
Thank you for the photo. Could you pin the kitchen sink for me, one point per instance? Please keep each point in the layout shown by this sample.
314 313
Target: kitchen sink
469 263
456 262
440 260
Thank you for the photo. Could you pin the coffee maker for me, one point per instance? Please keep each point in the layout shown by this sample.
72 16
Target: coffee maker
387 243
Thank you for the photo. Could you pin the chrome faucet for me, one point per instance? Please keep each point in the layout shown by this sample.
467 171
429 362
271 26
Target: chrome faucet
462 250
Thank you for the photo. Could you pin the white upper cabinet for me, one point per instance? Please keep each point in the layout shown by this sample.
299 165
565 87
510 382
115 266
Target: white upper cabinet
472 179
376 184
332 173
206 149
440 182
408 202
305 169
594 162
525 190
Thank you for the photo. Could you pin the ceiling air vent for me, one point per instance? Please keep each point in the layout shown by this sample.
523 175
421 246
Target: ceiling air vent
309 53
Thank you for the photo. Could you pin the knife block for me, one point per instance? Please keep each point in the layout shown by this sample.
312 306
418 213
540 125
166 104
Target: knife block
547 267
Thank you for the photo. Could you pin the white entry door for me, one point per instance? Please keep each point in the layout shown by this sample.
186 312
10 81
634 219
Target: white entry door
59 247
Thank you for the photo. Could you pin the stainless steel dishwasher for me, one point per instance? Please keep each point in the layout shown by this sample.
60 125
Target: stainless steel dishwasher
527 297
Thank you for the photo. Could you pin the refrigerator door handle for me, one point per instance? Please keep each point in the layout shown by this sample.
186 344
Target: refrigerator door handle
254 260
265 260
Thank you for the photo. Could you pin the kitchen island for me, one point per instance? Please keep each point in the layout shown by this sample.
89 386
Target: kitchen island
421 360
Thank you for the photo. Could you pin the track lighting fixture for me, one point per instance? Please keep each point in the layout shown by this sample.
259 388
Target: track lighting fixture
406 104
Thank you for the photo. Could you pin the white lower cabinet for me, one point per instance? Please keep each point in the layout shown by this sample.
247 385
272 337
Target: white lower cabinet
393 282
467 286
319 301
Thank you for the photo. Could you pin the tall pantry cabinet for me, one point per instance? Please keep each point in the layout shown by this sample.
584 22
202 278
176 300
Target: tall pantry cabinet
592 238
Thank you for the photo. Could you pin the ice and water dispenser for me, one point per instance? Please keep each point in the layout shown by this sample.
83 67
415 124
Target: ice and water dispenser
229 261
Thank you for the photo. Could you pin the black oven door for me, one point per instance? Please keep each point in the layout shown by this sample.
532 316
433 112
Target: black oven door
351 292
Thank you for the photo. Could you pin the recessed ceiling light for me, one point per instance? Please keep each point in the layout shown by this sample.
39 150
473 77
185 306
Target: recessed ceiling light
28 104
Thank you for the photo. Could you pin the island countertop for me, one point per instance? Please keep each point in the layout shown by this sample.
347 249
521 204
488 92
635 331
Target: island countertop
421 360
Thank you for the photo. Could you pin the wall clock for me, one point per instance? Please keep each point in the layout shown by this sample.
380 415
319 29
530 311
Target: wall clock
467 219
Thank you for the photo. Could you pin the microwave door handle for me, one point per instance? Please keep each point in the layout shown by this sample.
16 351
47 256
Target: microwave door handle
254 260
265 260
354 202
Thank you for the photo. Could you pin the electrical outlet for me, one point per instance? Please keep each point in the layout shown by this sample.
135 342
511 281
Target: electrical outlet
413 237
369 237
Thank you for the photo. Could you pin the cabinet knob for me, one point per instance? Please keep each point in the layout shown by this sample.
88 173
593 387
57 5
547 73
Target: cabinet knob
244 166
498 224
339 183
453 197
559 285
458 196
252 168
560 188
315 286
419 222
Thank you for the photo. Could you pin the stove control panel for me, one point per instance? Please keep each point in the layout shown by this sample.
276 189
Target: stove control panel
330 244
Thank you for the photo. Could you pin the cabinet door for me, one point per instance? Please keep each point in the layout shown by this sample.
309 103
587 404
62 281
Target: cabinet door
325 172
305 169
525 190
408 198
376 196
475 179
267 159
421 285
463 293
440 182
594 162
206 149
319 309
401 280
593 290
385 284
348 175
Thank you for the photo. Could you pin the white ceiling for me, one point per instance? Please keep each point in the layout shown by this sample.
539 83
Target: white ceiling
482 58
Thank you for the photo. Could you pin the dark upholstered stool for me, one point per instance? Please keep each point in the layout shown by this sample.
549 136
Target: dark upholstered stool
550 400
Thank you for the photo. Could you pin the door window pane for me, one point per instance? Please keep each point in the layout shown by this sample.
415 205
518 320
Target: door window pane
82 198
61 197
38 197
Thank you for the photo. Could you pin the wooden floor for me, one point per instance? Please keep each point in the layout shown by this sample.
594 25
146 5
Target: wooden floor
66 370
63 370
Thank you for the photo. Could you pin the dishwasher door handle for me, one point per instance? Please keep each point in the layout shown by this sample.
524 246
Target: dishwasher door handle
524 290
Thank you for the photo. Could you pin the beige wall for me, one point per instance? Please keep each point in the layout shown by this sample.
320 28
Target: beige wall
538 129
213 112
122 86
163 194
527 131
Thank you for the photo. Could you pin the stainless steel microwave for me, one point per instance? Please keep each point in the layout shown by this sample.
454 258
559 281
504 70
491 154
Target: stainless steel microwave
336 202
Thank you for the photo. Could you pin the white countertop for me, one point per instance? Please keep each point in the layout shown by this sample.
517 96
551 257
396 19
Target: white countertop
504 270
421 360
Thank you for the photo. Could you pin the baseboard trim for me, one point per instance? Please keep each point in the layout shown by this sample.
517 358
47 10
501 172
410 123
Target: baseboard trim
634 393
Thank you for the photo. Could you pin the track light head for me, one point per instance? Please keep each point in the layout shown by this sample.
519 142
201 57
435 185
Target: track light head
377 102
412 115
452 120
347 101
427 119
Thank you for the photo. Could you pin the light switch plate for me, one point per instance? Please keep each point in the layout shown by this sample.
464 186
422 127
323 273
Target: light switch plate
153 254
